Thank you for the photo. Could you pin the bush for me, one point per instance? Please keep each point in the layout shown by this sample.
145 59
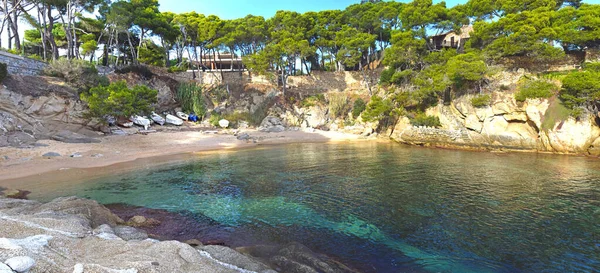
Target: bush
358 108
386 75
581 89
377 109
422 119
191 98
214 119
118 100
594 67
313 100
481 101
535 89
338 104
176 69
3 72
80 73
402 76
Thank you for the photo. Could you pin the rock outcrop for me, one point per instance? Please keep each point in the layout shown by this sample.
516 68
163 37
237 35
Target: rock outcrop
33 108
71 234
503 125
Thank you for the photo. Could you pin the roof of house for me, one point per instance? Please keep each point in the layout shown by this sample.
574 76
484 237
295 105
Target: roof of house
465 32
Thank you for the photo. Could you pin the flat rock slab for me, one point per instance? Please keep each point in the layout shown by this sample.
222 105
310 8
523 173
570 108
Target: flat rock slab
71 137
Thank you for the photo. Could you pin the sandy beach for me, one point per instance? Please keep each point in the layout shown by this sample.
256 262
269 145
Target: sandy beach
18 162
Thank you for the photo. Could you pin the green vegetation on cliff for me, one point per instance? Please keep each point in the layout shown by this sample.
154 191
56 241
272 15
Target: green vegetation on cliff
118 100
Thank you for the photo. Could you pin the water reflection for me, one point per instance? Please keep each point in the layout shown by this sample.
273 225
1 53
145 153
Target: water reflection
385 207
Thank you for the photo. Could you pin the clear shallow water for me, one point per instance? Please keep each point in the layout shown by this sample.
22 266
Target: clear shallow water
384 207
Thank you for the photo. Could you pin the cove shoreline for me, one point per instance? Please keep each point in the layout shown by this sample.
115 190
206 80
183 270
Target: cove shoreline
19 163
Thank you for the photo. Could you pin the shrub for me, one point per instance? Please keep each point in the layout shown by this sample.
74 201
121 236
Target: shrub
3 72
377 109
358 108
117 99
581 89
535 89
468 67
422 119
176 69
191 98
80 73
386 75
214 119
313 100
481 101
594 67
402 76
338 104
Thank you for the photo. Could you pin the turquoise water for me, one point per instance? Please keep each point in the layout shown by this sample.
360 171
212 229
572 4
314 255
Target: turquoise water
384 207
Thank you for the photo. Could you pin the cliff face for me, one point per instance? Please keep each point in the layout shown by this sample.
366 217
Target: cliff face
504 125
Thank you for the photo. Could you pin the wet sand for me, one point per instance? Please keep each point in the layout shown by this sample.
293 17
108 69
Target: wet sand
136 150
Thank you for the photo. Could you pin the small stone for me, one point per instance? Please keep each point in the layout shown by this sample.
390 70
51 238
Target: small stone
129 233
51 155
193 242
5 157
155 263
97 155
138 219
20 264
76 155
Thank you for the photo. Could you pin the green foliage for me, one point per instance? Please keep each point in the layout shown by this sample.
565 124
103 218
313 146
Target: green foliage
556 112
338 104
422 119
535 89
79 73
191 98
313 100
481 101
118 100
386 75
152 54
592 66
468 67
581 89
177 69
3 72
358 108
214 119
377 109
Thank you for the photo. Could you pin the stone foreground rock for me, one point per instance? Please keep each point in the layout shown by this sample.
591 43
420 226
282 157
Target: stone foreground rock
79 235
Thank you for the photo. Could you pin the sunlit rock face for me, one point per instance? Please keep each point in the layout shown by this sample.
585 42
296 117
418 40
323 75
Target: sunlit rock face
506 125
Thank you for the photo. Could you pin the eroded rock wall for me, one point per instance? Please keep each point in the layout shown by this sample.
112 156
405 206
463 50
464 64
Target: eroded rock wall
504 125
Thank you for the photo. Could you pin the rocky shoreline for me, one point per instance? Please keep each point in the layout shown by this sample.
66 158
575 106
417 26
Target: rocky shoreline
71 234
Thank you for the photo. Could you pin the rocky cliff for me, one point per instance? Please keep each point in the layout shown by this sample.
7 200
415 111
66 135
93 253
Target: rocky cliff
504 125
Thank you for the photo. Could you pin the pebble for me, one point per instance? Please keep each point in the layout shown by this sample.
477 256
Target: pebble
51 154
97 155
20 264
76 155
5 157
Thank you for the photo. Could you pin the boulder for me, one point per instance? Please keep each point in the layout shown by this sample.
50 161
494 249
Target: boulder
472 122
20 264
271 124
71 137
130 234
235 258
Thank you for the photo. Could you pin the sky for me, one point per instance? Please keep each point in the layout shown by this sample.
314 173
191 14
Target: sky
233 9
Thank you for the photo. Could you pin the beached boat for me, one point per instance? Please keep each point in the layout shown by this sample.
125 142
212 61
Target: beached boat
141 121
158 119
182 115
170 119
